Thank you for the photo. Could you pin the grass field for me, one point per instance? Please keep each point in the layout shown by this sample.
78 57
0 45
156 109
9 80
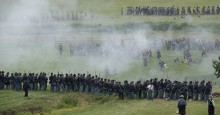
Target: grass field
31 47
67 103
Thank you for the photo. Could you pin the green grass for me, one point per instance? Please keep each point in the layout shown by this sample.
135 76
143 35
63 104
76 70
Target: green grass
68 103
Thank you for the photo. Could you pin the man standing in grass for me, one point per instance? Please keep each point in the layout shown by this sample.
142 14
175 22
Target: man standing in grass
26 88
150 88
182 105
211 106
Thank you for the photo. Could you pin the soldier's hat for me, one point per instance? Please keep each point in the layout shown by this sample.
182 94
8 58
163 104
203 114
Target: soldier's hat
3 72
181 96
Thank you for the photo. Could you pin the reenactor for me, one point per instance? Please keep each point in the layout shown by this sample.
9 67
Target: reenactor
66 82
111 87
69 82
190 90
60 47
207 91
173 90
197 10
26 87
184 90
44 83
178 89
189 10
204 52
101 85
7 81
35 81
105 86
168 90
55 83
218 9
17 81
203 10
211 105
183 11
181 105
93 84
150 88
144 89
61 83
161 88
208 10
126 88
132 90
156 87
12 81
50 81
177 11
121 91
30 81
138 87
196 91
158 54
202 90
162 65
2 80
213 10
194 11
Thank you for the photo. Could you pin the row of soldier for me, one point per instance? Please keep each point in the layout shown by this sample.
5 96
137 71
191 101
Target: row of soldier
14 81
195 44
153 88
147 10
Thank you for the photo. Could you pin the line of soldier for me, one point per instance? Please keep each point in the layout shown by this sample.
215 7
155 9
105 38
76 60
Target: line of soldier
168 11
149 89
15 80
177 44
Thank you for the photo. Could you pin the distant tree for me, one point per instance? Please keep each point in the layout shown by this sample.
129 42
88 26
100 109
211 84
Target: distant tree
216 66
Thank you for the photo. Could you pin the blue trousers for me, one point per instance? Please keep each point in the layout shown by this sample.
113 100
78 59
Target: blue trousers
144 94
150 92
61 87
161 93
196 96
155 93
